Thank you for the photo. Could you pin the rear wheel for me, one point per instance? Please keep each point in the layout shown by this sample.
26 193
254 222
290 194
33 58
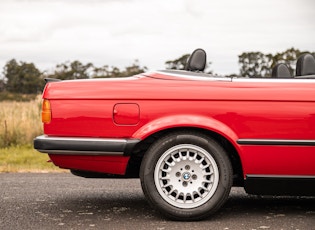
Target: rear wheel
186 175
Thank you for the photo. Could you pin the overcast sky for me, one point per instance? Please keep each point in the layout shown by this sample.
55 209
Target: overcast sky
116 32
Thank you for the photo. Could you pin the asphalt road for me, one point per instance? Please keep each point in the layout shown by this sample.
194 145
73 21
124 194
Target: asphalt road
63 201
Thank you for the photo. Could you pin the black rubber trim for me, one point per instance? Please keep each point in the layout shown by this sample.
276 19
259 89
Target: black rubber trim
92 146
51 80
280 185
276 142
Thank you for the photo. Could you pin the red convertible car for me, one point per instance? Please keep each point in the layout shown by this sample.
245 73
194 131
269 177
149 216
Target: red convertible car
189 136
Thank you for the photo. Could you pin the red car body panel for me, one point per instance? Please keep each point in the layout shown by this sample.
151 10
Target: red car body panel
109 164
137 107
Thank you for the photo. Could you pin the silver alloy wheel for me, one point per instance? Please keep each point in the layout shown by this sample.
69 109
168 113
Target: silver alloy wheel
186 176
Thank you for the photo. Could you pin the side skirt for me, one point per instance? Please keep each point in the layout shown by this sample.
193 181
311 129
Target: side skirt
280 185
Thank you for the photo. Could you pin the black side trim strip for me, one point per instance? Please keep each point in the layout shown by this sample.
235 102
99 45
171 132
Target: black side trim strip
276 142
84 146
280 185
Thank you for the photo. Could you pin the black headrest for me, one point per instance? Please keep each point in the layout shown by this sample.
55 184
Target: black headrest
305 65
197 61
281 71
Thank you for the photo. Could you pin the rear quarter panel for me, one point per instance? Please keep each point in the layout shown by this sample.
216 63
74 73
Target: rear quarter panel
235 110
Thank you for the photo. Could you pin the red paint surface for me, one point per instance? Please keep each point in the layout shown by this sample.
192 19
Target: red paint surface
105 164
278 160
126 114
234 110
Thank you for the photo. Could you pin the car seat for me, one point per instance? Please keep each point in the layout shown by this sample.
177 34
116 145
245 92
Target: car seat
281 71
305 65
197 61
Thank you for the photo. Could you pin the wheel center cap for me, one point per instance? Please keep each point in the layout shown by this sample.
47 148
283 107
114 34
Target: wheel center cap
186 176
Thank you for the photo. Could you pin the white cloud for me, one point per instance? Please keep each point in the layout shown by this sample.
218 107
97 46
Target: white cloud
117 32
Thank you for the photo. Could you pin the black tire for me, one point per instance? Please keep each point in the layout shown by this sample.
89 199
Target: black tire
174 182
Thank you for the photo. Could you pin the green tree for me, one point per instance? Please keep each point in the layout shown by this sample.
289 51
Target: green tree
72 70
110 72
289 57
177 64
115 72
2 85
101 72
22 77
135 69
258 64
254 64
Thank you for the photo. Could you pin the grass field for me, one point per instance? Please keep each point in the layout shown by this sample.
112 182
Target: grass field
25 159
20 122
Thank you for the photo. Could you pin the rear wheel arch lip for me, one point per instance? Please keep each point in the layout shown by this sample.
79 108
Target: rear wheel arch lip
187 121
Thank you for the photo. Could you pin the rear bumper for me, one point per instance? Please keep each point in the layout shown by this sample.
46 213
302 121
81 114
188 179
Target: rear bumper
84 146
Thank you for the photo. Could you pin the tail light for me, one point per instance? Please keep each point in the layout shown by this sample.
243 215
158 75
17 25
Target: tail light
46 111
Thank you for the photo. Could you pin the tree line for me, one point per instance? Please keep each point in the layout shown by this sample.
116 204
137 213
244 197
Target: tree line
26 78
258 64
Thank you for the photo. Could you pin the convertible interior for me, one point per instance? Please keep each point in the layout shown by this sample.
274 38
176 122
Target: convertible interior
305 66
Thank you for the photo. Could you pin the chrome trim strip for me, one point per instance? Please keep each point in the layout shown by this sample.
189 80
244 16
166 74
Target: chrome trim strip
276 142
208 77
274 80
191 75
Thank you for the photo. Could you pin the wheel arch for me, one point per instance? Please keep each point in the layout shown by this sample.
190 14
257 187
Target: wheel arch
185 120
225 143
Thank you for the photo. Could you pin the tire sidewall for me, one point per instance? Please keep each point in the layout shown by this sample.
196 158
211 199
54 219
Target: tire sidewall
149 187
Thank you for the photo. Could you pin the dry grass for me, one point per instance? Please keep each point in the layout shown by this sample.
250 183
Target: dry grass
25 159
20 122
